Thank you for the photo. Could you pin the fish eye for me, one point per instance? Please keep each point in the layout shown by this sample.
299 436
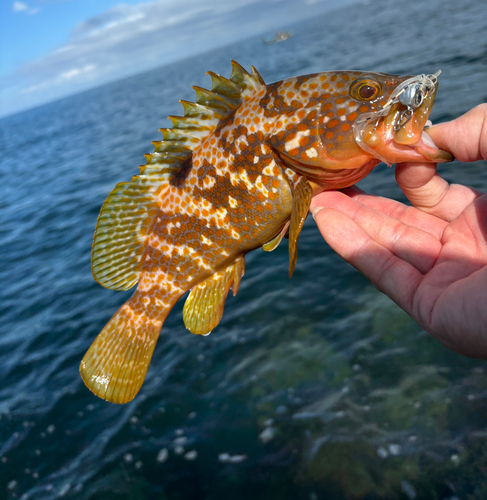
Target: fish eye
365 90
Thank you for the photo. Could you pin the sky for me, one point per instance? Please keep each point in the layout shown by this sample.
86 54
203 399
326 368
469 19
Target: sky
53 48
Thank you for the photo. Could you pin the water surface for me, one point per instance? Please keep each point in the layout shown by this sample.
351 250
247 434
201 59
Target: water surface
317 387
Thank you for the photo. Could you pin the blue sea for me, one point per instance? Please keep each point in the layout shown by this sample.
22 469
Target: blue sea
318 387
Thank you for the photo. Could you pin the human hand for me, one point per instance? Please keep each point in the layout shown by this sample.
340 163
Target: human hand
431 259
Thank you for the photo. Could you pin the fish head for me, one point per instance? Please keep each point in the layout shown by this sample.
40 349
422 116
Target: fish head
378 116
394 131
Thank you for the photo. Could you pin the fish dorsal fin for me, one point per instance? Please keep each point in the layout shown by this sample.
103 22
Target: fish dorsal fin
203 116
203 308
129 211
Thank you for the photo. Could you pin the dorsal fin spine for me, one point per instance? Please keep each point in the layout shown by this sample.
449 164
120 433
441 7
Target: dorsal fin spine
195 110
256 76
183 122
247 83
214 100
202 116
223 86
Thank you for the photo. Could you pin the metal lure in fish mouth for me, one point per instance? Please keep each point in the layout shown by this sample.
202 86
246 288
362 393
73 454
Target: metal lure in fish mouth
412 95
395 133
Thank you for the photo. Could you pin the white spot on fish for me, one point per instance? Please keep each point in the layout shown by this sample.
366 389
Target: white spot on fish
292 144
204 239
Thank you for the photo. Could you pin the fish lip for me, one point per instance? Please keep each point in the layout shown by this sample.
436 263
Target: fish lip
426 147
423 150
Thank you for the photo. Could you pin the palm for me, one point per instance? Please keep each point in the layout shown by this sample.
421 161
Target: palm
451 297
434 269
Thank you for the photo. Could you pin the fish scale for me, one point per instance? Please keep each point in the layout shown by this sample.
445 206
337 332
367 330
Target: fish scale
235 173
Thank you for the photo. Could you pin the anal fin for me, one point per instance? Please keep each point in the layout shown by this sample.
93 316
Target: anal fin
302 195
203 308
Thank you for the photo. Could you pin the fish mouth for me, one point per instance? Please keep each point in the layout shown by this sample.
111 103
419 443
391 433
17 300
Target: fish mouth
426 148
422 149
413 133
398 133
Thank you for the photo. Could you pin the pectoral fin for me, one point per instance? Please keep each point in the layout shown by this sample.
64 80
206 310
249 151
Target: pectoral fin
301 201
203 309
274 243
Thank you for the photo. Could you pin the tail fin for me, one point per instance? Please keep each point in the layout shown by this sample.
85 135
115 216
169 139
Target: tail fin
115 366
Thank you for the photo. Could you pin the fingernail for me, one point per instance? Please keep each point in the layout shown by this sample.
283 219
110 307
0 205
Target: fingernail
315 210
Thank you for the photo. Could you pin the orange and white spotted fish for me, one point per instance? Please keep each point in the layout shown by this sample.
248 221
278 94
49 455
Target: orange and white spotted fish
236 173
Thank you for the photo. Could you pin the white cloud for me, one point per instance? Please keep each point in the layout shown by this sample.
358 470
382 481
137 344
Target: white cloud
19 7
68 75
128 39
63 77
23 7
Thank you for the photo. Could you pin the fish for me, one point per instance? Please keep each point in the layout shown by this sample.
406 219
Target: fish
235 173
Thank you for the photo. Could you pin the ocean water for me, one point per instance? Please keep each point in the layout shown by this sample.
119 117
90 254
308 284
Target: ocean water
317 387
